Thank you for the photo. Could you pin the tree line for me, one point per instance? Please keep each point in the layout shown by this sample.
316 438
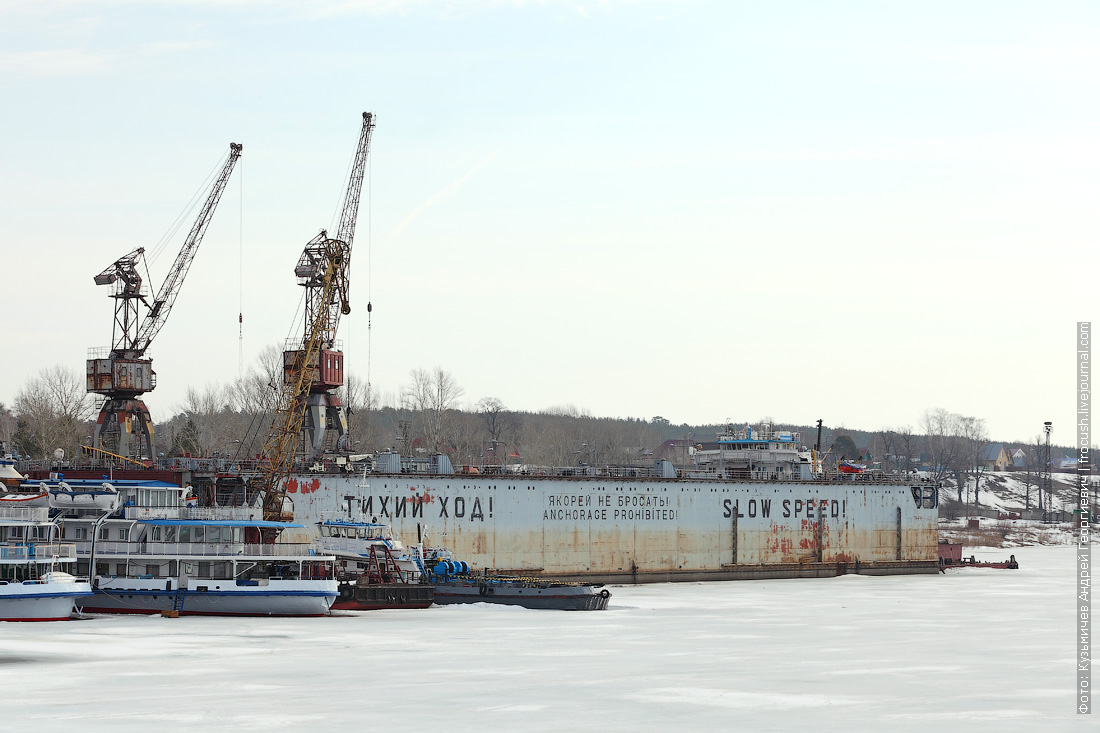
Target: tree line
424 416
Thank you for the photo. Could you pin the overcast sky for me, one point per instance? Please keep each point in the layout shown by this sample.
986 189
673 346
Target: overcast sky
852 211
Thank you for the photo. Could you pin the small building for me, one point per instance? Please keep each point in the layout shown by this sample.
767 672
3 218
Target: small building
1019 459
995 456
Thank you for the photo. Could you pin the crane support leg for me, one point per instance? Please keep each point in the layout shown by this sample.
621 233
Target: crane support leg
326 421
126 428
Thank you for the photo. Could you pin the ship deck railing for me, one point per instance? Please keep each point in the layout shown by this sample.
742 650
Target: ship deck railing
200 549
197 513
340 465
38 551
25 513
43 581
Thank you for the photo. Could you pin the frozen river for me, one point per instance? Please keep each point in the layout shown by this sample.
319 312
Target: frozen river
970 650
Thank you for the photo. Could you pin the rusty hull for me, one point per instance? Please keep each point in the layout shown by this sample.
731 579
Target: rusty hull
631 530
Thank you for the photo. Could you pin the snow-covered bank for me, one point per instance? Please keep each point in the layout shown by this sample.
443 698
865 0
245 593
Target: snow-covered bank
1007 532
968 650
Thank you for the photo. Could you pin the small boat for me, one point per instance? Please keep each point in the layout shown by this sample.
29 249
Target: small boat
455 582
849 467
33 586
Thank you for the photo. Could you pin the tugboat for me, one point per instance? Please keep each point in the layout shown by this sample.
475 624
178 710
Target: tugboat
454 582
374 570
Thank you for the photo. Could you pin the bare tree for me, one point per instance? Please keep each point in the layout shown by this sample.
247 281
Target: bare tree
257 392
211 411
8 426
969 464
432 394
941 436
364 424
890 440
499 422
52 411
907 444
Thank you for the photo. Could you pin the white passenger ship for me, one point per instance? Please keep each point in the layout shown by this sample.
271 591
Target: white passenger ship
33 584
158 553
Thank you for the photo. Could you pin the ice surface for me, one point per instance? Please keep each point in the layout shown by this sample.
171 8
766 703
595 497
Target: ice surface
969 650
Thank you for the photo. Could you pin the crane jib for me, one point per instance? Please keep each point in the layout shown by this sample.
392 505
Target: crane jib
323 270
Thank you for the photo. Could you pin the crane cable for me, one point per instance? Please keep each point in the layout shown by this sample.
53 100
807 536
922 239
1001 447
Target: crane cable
185 214
240 276
370 271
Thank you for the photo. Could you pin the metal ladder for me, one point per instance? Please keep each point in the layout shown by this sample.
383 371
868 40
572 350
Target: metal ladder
419 564
177 604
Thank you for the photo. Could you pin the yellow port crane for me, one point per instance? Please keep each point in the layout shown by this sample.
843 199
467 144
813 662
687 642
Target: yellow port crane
313 369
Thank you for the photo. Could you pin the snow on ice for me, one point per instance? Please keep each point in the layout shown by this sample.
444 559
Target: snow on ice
968 650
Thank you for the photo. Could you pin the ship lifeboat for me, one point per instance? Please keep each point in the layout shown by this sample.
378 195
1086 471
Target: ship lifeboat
849 467
103 498
27 498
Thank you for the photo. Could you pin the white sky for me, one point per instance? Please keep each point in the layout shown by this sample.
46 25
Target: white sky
852 211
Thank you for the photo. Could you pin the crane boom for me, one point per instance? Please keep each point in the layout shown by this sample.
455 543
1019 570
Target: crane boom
350 212
124 373
170 288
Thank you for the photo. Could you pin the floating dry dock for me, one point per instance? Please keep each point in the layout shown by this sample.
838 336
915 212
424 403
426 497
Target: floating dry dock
755 507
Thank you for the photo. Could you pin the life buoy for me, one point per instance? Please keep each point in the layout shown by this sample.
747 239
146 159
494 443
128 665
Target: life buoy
483 589
605 593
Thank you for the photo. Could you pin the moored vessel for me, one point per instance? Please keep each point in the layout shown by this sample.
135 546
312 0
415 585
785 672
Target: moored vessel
455 583
34 582
158 554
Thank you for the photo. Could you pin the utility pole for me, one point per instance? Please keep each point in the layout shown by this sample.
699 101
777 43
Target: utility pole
1044 475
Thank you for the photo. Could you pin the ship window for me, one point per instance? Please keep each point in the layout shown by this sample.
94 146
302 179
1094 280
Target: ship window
120 569
325 531
103 534
237 533
81 533
156 534
169 534
185 534
198 534
123 533
153 570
